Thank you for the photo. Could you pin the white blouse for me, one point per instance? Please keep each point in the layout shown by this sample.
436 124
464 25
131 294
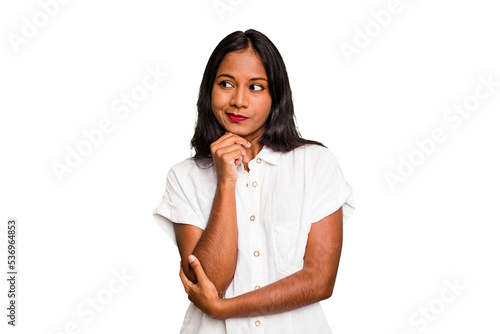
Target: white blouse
276 203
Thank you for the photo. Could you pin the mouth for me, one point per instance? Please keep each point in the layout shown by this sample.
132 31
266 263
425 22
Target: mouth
236 118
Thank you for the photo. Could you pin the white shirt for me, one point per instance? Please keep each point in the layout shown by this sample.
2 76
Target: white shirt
276 203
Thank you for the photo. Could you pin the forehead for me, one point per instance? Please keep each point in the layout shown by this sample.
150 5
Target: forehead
242 63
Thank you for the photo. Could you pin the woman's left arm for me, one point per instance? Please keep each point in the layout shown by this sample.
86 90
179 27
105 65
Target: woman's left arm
309 285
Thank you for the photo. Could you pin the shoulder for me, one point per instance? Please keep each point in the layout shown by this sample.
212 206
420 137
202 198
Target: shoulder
189 169
318 150
307 162
311 153
313 161
186 164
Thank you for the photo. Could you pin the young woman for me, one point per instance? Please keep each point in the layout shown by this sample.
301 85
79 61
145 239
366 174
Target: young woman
257 213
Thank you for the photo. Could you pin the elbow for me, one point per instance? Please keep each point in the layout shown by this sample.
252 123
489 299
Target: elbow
220 286
188 271
323 286
324 291
327 291
327 285
221 291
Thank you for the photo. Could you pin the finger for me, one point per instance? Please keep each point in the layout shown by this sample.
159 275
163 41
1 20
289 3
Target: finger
185 281
235 139
197 268
231 147
219 151
230 138
234 151
243 158
222 138
237 159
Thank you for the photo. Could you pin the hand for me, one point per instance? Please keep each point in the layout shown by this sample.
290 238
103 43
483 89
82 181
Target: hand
203 294
228 152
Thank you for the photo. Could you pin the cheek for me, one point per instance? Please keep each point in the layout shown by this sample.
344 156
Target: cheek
217 101
265 107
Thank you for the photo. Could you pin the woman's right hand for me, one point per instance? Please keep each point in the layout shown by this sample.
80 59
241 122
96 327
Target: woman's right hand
228 152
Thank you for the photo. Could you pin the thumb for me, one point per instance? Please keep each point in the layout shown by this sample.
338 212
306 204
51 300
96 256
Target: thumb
197 268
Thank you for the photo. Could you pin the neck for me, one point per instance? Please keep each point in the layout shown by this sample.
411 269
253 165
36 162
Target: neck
256 147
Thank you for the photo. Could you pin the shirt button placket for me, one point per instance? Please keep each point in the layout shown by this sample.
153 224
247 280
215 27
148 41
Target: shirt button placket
257 270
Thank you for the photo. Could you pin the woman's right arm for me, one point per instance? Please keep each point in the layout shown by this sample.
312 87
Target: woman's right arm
216 246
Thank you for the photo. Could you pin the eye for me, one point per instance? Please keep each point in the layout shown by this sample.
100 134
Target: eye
256 87
225 84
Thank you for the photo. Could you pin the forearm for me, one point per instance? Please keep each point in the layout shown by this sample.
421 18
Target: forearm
313 283
217 247
297 290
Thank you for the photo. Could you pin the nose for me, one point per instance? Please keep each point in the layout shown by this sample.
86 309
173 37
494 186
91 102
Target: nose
240 98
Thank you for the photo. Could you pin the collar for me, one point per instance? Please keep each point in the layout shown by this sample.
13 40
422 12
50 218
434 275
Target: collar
269 155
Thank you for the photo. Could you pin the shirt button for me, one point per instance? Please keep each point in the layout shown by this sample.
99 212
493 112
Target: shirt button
252 218
257 323
259 160
254 183
256 287
256 253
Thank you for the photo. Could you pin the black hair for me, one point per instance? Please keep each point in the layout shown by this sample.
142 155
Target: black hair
280 133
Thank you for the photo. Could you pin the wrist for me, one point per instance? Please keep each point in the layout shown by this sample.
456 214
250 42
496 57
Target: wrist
226 185
220 311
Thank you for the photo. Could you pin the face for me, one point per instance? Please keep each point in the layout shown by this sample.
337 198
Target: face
241 101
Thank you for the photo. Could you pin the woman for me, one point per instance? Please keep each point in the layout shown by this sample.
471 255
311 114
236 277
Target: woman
257 213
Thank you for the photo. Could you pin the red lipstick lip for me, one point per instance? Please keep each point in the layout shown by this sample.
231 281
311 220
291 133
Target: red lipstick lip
236 118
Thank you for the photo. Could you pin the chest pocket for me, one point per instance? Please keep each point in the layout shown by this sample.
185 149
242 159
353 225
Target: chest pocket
288 235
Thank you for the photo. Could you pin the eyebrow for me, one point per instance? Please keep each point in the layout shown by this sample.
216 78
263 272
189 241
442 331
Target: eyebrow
231 77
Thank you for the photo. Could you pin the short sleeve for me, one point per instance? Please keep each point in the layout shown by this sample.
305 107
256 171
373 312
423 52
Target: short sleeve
175 206
332 191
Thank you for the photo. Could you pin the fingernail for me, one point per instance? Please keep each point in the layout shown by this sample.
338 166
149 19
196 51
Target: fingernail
249 144
191 258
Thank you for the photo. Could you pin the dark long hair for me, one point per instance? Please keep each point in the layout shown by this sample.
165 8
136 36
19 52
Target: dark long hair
280 133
